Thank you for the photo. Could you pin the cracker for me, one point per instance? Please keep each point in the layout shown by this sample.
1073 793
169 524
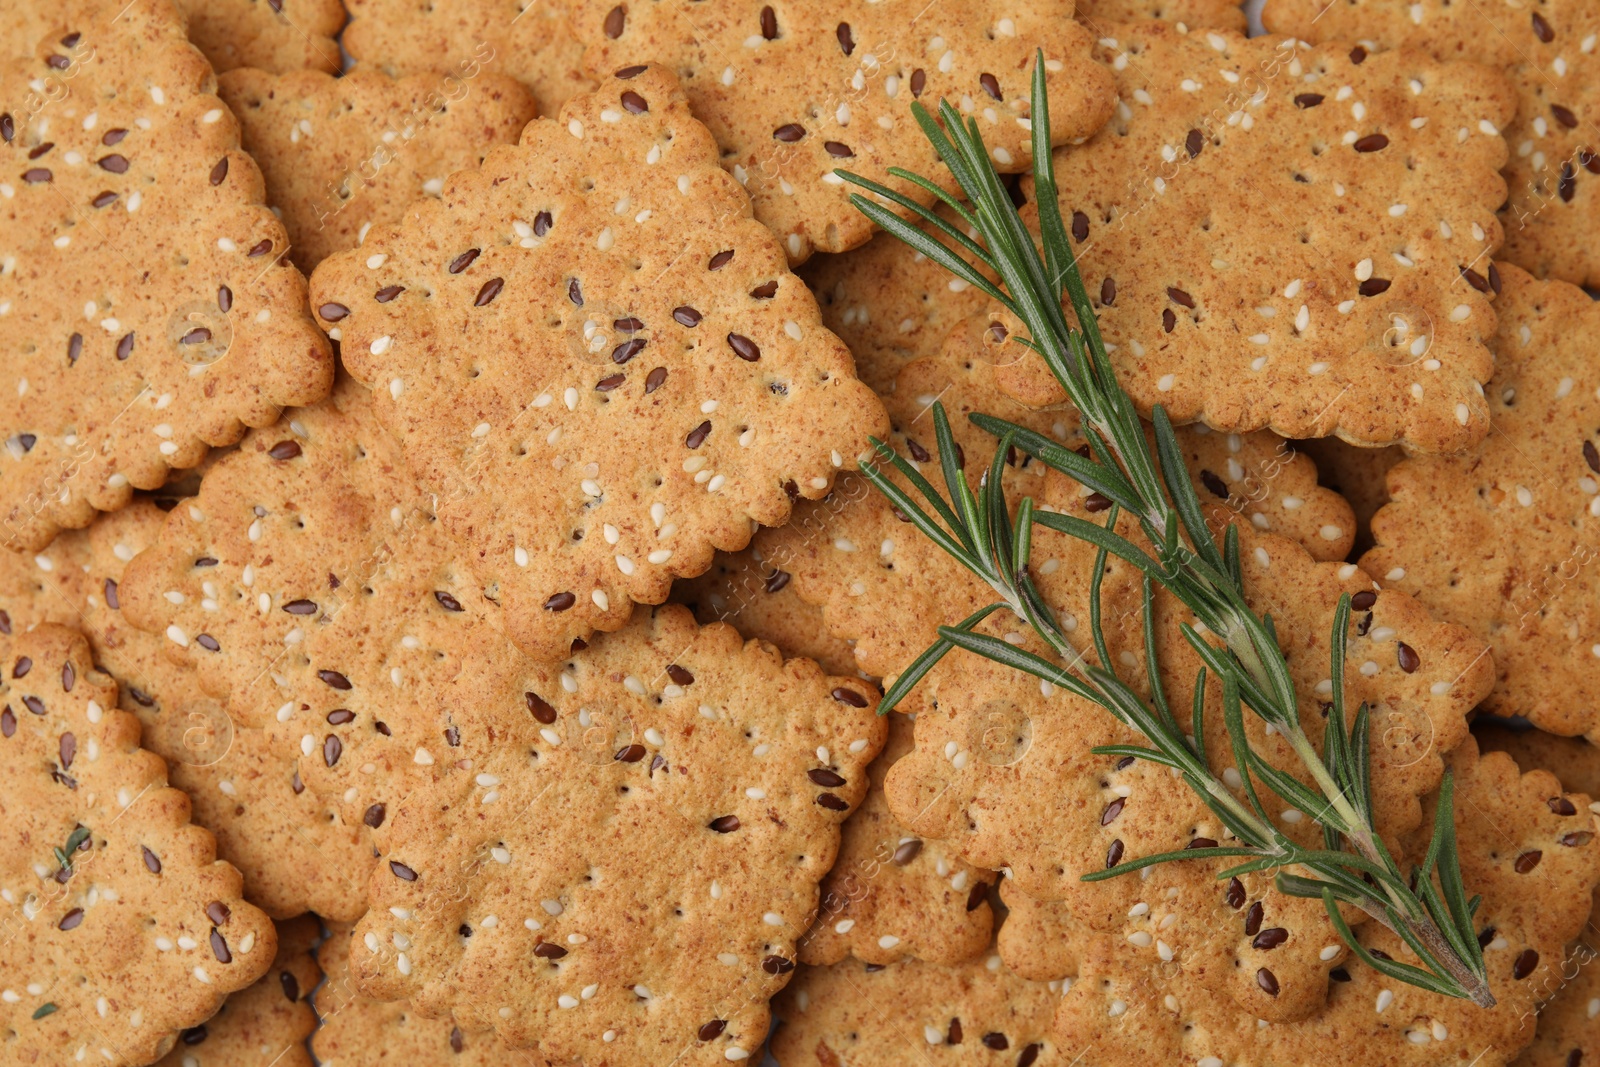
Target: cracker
1192 14
1334 181
1360 475
266 1023
1031 940
1130 1013
915 1013
342 155
1567 1034
760 601
294 853
795 91
887 588
357 1031
1548 53
144 276
634 858
890 303
148 932
277 36
539 410
1572 759
338 610
1002 770
893 896
527 41
1522 508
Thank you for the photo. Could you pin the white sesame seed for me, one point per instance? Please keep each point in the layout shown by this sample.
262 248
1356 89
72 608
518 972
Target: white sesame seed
772 918
1385 998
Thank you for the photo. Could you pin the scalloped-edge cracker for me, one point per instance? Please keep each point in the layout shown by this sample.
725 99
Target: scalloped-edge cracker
315 595
892 895
1506 540
1131 1013
266 1023
794 91
341 155
597 360
293 850
1326 296
275 35
149 311
358 1031
142 931
528 41
1547 50
1002 771
760 601
628 868
913 1013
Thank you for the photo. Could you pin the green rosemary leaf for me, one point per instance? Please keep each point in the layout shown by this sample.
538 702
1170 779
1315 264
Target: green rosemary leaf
1106 481
1135 751
994 500
1023 660
43 1010
1223 665
1022 542
1230 554
1360 762
908 678
1129 866
1096 606
952 202
1152 661
928 245
1052 232
1097 535
1295 885
1393 968
1184 499
1233 718
1198 715
955 483
1448 863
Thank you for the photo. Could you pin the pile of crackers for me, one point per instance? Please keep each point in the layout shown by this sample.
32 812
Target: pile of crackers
442 618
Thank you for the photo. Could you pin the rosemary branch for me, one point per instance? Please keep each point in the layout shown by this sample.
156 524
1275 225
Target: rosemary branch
1426 906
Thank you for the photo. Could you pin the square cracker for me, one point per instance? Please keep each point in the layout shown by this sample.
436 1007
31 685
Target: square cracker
1328 296
340 156
270 35
1506 539
793 91
990 742
149 311
1548 51
293 850
910 1014
892 895
1132 1013
528 40
630 864
597 360
122 936
265 1023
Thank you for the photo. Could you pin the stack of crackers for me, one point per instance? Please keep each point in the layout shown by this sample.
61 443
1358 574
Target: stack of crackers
442 619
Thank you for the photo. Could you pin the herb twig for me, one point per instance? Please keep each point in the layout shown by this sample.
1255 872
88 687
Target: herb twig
1427 905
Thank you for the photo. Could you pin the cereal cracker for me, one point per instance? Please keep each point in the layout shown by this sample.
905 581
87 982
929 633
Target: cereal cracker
143 932
150 314
613 301
795 91
891 895
627 869
1327 297
1547 50
527 40
342 155
1504 540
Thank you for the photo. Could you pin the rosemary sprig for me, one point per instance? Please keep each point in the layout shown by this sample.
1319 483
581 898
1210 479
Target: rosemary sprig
1426 906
